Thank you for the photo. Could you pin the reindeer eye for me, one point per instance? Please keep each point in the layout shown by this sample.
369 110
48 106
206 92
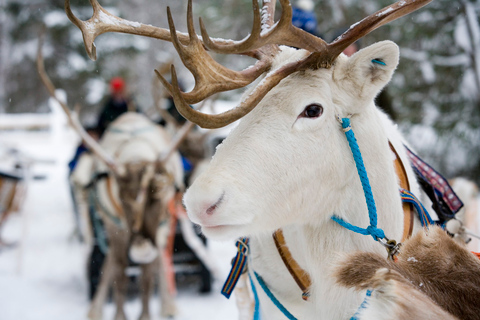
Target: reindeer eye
312 111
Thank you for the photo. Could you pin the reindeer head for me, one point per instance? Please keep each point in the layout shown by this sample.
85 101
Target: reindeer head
287 161
288 148
143 187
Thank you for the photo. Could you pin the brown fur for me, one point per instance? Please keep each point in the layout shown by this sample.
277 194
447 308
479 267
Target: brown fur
193 147
432 263
401 299
120 240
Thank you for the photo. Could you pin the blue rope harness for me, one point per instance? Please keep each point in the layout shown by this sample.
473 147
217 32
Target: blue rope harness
372 229
363 305
256 311
272 297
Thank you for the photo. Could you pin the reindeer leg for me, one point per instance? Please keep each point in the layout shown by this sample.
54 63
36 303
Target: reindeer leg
166 295
146 287
95 312
245 303
167 298
120 287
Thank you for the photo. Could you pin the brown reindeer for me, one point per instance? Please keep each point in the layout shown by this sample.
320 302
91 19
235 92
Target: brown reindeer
137 171
434 277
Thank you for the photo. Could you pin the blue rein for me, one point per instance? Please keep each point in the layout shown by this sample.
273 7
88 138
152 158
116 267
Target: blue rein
372 229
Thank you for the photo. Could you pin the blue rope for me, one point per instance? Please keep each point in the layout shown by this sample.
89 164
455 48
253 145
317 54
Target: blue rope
272 297
256 312
423 215
362 306
372 229
377 61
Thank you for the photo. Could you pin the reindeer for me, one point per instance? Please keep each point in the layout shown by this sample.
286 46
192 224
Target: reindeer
465 226
136 172
287 164
434 277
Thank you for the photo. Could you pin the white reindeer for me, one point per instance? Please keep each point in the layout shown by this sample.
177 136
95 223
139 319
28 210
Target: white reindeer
287 164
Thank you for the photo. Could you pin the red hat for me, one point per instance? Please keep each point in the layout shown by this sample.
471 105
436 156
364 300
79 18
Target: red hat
117 84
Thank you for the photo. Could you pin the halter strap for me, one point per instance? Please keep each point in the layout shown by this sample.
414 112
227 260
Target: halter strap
376 233
404 185
300 276
238 264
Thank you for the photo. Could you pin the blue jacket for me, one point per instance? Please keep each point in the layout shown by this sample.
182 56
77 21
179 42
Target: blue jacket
305 20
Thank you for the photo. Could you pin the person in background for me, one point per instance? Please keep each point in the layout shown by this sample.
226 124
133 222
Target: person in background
116 104
304 17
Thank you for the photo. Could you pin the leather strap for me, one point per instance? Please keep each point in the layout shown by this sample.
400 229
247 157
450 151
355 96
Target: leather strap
300 276
118 208
407 207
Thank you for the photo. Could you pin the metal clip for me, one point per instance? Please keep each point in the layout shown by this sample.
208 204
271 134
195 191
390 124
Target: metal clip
242 245
393 248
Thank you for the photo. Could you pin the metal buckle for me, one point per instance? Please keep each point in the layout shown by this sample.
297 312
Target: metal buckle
242 246
392 247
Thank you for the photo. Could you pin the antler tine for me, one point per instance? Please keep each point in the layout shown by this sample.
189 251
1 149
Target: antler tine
103 21
73 119
370 23
208 121
210 76
232 48
284 32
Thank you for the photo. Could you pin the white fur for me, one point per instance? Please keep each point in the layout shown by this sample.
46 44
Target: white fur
142 252
276 170
467 191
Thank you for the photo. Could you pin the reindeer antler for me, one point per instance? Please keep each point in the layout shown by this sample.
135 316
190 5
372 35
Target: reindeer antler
72 118
284 32
211 77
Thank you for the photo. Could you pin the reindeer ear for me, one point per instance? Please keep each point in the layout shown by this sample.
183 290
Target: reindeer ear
371 68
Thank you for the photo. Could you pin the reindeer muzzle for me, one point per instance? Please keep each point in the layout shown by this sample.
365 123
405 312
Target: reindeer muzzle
142 250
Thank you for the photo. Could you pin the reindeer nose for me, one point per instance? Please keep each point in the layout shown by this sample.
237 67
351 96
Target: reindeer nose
210 210
202 203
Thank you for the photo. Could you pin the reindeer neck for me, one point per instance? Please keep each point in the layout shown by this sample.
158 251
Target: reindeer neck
327 238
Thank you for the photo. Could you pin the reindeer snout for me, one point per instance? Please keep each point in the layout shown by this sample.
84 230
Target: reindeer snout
202 204
210 210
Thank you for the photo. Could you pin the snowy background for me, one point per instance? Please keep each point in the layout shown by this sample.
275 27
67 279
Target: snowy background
44 275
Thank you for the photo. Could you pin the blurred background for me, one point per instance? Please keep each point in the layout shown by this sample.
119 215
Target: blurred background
434 97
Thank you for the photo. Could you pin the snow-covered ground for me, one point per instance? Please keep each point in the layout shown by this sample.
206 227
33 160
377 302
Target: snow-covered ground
43 276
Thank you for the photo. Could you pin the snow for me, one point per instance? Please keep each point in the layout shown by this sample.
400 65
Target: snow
384 12
112 20
461 35
96 88
412 259
43 276
56 19
468 87
77 62
25 51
